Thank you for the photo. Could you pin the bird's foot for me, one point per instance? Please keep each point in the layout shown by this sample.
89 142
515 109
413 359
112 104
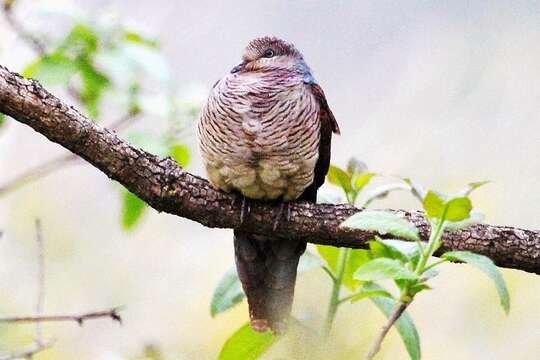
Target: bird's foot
245 209
280 212
260 325
279 327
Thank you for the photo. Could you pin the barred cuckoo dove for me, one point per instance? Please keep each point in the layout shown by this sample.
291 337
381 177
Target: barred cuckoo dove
265 132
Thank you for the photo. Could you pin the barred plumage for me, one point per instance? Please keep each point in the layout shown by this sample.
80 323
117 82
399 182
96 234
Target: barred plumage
260 135
265 132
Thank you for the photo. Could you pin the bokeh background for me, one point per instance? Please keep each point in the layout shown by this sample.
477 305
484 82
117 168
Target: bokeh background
443 92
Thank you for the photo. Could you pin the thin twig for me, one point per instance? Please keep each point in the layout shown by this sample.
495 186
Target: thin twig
40 171
78 318
376 346
39 343
36 44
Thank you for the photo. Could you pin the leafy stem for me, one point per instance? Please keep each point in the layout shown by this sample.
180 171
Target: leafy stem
336 288
433 243
434 264
410 287
396 313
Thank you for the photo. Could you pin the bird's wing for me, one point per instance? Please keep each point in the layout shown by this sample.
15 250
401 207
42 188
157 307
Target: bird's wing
326 114
329 125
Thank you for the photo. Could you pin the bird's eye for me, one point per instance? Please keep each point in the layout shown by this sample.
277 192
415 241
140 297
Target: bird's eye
269 53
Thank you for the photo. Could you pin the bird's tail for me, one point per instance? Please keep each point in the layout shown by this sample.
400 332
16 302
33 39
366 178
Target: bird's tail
267 269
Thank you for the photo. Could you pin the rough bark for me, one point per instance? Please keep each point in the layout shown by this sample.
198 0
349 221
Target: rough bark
165 186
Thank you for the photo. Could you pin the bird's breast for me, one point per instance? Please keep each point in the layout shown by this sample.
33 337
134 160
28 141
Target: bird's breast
259 141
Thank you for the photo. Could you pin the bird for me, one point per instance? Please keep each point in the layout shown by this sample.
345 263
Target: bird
265 132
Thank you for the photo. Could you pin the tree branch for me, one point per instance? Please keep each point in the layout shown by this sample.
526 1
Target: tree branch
78 318
165 186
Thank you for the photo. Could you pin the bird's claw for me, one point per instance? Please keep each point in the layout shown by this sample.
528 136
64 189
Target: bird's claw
244 209
280 212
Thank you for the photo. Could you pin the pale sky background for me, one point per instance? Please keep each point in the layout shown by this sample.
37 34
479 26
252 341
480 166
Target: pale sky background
442 92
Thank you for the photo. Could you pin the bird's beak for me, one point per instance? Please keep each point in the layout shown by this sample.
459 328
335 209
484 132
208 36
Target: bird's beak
239 67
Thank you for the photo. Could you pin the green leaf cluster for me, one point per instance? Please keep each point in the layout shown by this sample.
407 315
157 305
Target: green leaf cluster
407 263
94 59
351 180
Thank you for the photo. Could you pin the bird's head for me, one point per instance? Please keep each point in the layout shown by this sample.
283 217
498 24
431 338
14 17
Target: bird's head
268 53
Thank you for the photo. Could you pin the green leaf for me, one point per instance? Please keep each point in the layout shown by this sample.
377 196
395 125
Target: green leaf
180 153
339 177
454 209
246 344
132 210
330 255
407 248
361 180
81 41
404 325
139 39
3 120
458 209
383 222
434 205
379 249
355 259
94 85
488 267
227 294
405 251
416 288
474 218
384 268
472 186
364 294
52 70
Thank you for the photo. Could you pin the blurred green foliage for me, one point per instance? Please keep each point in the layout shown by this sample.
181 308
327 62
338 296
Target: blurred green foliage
109 64
132 209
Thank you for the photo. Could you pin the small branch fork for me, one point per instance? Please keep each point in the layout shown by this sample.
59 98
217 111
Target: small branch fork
40 344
